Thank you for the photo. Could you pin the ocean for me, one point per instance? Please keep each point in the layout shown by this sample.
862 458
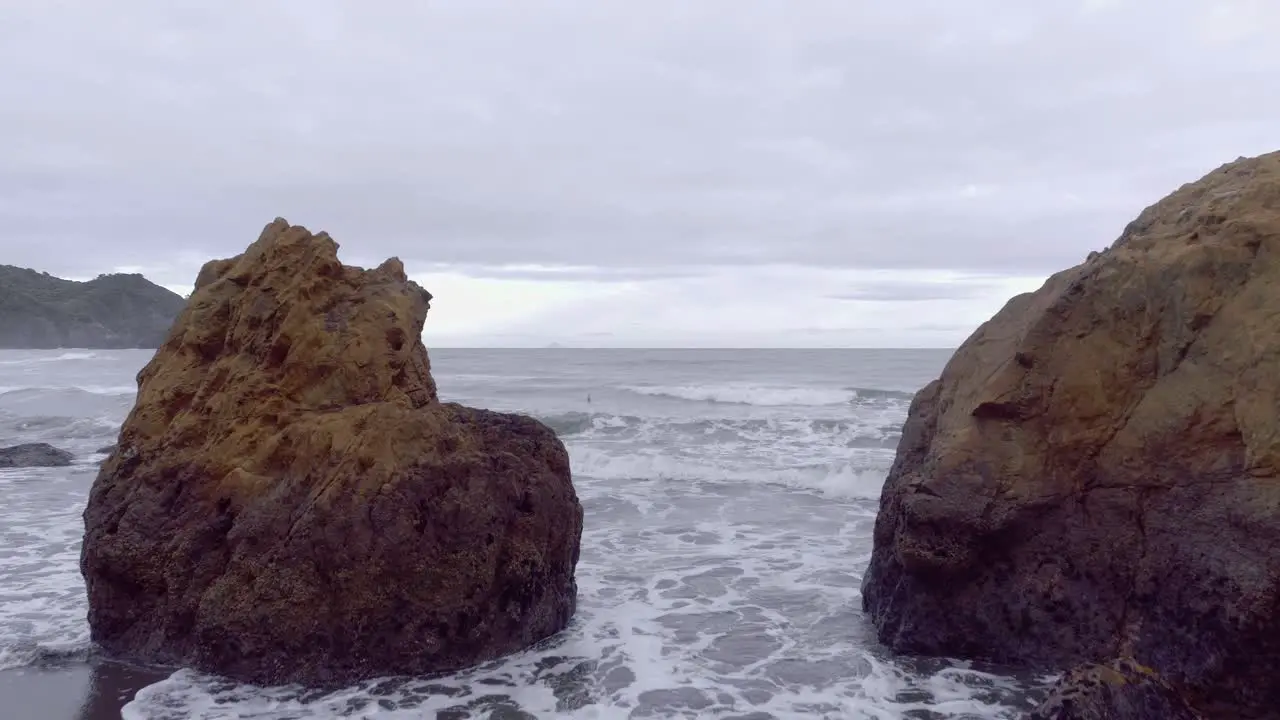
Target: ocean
729 499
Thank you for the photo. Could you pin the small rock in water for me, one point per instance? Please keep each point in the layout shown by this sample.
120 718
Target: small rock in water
34 455
1120 690
106 449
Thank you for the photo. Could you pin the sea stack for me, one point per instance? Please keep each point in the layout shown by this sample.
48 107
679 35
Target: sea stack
291 502
1095 473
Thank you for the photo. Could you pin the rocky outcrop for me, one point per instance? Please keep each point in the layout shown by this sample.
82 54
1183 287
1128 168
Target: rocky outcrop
34 455
39 311
1118 689
1095 473
290 502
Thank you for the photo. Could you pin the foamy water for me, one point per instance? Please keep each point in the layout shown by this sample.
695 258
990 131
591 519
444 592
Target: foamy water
729 502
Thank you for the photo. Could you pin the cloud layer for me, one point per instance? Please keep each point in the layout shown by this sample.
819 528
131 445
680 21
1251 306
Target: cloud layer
608 142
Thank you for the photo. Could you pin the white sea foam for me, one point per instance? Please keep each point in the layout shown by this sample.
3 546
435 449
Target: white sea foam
818 434
836 479
748 394
839 457
109 389
42 359
42 600
694 601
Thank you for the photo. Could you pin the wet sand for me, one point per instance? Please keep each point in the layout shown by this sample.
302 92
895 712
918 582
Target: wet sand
87 691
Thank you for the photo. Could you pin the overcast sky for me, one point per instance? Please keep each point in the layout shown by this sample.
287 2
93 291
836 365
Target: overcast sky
612 172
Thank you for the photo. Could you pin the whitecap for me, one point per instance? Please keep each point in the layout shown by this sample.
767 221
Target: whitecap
747 394
842 479
41 359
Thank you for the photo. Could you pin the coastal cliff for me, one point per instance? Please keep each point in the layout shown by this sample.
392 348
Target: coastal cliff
39 311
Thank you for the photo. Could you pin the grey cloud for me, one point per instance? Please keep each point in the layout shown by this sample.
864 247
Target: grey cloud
571 273
921 291
993 136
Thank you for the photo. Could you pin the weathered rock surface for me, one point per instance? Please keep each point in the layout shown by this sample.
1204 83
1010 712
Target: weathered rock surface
1094 475
1118 690
34 455
290 502
39 311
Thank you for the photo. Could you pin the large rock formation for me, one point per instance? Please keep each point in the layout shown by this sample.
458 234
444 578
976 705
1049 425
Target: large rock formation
290 502
39 311
1095 474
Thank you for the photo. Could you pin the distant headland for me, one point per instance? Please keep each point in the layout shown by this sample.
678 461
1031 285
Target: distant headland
39 311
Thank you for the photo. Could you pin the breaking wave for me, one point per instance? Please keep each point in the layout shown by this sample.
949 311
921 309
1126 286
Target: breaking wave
769 395
40 360
835 479
746 394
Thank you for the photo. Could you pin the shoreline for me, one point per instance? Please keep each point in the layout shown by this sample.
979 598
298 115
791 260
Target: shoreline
93 690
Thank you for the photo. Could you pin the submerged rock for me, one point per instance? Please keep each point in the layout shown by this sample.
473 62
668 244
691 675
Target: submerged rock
290 502
105 450
1118 690
1096 473
34 455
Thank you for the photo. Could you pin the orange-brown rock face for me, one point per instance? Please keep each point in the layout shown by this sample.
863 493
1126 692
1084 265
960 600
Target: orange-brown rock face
1113 691
290 502
1095 474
